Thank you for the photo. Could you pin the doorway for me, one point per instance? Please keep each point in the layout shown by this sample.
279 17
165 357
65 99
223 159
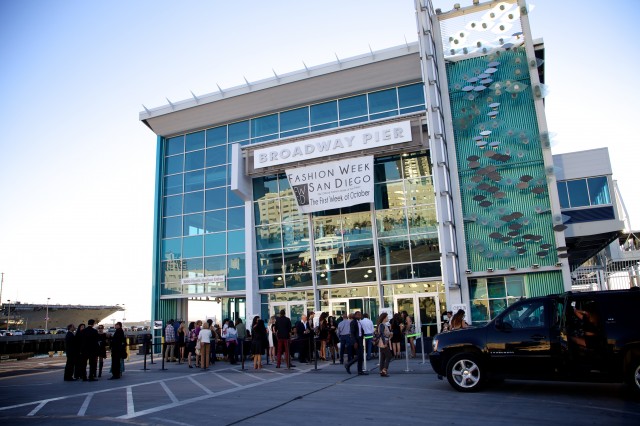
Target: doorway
294 309
337 307
424 308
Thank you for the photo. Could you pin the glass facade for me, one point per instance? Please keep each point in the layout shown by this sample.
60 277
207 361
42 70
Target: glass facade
203 222
490 296
402 228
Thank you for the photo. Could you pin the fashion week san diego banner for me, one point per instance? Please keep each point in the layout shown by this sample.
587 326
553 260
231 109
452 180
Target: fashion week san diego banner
331 185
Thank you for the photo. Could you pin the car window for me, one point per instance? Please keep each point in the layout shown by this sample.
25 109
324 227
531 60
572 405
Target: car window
525 315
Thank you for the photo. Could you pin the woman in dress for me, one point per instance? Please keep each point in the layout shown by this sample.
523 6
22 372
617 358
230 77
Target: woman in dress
258 336
192 337
180 339
323 335
232 341
396 338
384 343
272 337
333 337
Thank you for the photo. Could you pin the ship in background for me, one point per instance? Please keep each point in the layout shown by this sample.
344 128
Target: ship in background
21 316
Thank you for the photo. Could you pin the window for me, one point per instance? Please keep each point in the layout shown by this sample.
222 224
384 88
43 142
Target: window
525 315
592 191
490 296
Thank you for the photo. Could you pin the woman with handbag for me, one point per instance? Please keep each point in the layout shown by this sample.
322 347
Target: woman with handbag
384 342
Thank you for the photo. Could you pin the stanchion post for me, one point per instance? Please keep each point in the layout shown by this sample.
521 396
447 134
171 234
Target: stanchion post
422 342
364 350
144 348
164 350
153 348
315 352
241 353
406 353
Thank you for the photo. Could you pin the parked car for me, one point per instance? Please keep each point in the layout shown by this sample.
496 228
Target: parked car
40 331
29 332
16 332
589 337
60 331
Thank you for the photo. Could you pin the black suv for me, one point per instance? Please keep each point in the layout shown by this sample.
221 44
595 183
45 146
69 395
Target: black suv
591 337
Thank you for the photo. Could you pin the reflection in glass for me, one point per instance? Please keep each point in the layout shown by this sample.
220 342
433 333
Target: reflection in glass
172 205
235 265
295 234
194 141
215 244
172 227
194 202
172 249
235 218
216 265
216 176
268 237
267 210
217 136
422 219
192 246
328 277
478 289
416 165
193 224
420 191
193 268
302 279
235 241
194 181
387 168
215 221
361 275
171 271
173 184
425 247
394 250
359 253
389 195
269 262
391 222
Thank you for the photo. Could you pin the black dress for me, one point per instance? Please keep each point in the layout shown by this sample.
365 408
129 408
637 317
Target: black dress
397 333
258 337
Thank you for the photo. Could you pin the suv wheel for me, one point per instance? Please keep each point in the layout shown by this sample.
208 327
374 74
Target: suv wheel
633 371
465 372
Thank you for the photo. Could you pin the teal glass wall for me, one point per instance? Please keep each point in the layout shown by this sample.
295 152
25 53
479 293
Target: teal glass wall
503 184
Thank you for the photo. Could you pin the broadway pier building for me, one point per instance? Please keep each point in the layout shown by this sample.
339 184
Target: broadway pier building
415 178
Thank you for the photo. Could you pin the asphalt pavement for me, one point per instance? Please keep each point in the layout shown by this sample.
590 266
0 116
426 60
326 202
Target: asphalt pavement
33 392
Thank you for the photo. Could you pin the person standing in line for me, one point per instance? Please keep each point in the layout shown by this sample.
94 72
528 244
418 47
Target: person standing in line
384 343
323 335
333 337
396 338
205 345
241 331
102 348
271 337
283 332
367 329
118 351
81 369
302 332
192 338
356 338
344 333
458 322
71 350
258 335
232 342
181 343
89 341
409 329
170 341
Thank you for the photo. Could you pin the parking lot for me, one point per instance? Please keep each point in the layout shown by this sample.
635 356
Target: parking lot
32 392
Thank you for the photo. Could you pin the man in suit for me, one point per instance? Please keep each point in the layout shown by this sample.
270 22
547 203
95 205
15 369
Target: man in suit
356 339
72 354
89 342
118 351
302 333
283 331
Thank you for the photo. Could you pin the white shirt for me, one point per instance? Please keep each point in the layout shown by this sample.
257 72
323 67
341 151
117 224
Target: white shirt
205 336
367 326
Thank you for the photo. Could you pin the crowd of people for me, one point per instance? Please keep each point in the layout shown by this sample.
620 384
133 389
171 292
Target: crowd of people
200 344
87 346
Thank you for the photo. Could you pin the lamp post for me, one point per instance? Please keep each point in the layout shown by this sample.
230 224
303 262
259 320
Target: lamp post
8 312
46 319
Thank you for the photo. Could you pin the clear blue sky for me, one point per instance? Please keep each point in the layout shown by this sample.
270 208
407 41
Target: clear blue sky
77 167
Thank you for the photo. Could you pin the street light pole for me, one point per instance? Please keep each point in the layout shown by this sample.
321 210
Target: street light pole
46 319
8 312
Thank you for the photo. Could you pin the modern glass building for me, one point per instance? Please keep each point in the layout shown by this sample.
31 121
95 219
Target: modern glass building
461 206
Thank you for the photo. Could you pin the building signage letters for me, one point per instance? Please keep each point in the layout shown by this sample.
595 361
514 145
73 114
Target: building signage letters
356 140
203 280
332 185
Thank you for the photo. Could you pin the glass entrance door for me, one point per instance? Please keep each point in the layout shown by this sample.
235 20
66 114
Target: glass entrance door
339 307
294 310
424 308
